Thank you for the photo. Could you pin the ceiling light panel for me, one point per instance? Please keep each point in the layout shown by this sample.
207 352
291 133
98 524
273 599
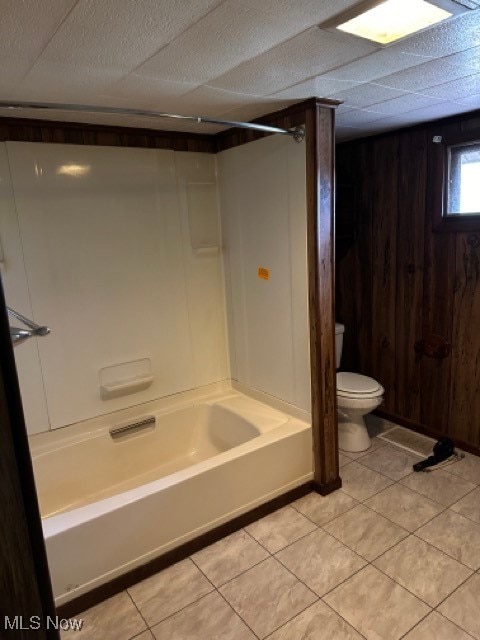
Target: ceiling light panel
394 19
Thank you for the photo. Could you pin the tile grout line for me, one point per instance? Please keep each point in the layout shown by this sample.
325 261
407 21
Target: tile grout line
140 614
334 517
445 552
454 624
223 597
414 533
290 543
272 556
432 607
359 554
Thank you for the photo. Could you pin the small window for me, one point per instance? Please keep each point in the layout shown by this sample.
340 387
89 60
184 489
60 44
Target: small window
464 180
458 184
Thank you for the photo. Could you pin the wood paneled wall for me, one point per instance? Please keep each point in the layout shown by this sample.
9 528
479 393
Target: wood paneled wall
26 130
399 282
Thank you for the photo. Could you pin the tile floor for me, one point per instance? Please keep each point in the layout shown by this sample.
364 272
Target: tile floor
392 555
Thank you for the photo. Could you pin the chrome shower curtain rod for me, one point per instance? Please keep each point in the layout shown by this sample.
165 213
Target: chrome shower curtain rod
297 133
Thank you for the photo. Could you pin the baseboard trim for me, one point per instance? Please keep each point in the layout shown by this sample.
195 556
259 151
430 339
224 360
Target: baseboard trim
426 431
128 579
328 488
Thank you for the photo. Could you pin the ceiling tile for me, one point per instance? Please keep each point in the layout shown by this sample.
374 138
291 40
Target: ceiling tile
367 94
25 29
423 76
471 102
432 112
457 89
249 27
147 92
358 117
307 55
376 65
252 111
405 103
348 133
320 86
209 101
121 34
457 34
64 83
469 58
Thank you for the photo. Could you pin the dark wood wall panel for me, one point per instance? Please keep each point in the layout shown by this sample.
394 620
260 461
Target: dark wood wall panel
465 378
25 130
410 283
383 230
409 270
438 284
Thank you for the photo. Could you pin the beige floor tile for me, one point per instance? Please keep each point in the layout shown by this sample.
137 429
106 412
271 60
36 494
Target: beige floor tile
322 509
229 557
267 596
469 506
115 619
442 487
377 425
376 606
320 561
361 483
390 461
211 618
436 627
404 507
343 460
368 533
468 468
280 528
455 535
169 591
318 622
376 444
422 569
146 635
463 605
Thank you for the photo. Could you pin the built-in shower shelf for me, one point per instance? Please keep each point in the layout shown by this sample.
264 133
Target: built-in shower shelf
123 387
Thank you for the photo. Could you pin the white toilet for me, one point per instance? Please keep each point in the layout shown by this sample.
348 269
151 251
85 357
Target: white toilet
356 397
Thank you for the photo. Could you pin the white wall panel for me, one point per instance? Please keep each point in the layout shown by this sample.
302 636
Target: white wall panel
263 207
14 277
109 269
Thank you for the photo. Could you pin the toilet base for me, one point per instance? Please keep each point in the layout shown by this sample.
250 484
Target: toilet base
353 435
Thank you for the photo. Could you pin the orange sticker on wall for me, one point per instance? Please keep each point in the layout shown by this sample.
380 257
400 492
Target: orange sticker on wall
263 273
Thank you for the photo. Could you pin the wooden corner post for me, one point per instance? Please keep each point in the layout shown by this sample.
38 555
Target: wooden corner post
320 141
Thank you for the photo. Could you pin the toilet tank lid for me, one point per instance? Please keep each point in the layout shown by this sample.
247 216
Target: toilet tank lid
339 328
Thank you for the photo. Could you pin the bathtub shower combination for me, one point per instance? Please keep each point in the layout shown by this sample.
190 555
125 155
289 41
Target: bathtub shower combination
136 484
167 389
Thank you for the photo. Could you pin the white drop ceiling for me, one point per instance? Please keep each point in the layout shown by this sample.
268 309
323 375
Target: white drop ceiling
232 59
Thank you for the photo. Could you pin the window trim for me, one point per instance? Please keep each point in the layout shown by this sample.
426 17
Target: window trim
442 221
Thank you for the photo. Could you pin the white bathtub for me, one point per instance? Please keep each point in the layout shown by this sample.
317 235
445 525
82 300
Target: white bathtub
111 504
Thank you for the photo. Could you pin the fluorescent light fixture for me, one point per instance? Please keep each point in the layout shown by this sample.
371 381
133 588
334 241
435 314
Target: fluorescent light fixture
394 19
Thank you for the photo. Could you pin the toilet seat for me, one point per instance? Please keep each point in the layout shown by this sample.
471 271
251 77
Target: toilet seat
354 385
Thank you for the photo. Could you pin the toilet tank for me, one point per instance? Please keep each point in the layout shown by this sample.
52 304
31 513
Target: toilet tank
339 330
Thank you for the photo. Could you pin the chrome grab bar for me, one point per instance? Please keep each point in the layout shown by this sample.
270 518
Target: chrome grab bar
19 335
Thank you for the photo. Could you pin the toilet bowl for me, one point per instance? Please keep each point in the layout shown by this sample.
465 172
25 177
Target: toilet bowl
357 396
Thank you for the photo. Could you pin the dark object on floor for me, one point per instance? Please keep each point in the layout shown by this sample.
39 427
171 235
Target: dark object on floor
442 450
